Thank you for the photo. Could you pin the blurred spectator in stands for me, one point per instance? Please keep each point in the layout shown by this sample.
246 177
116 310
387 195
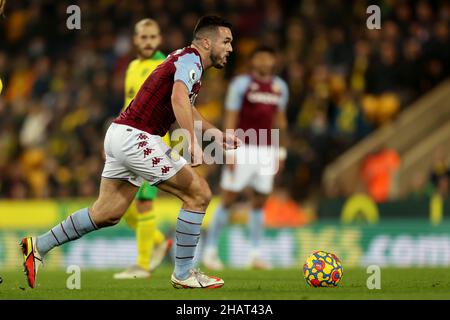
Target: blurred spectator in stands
380 109
411 62
440 172
339 52
421 187
403 16
348 122
295 76
378 171
439 45
383 73
280 211
361 60
437 53
424 14
443 185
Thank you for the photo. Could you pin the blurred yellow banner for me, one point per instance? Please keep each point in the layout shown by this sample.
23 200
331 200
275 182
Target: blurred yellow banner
28 214
36 214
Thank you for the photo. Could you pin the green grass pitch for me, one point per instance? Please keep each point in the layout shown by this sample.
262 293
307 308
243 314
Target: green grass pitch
419 283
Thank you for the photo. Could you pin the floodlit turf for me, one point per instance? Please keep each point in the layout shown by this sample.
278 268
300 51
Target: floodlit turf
239 284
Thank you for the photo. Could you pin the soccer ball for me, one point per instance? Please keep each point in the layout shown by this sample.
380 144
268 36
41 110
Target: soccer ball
322 269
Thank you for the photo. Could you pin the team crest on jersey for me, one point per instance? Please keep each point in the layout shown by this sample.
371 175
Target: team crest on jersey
173 155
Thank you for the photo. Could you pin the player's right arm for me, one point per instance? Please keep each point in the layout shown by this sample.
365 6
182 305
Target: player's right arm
183 113
187 73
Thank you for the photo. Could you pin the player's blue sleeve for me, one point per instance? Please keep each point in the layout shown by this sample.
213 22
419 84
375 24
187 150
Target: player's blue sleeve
284 93
236 92
188 70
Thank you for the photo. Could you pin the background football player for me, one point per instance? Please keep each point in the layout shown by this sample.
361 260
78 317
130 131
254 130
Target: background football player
151 243
255 101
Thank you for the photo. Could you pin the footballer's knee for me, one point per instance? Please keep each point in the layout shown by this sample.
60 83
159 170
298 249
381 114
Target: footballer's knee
110 221
104 215
199 195
104 219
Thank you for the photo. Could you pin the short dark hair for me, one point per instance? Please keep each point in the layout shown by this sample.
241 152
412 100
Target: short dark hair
263 48
209 23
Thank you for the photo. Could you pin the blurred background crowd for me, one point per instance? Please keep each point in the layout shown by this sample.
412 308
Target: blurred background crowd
61 87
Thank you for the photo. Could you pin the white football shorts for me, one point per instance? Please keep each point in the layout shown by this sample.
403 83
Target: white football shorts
135 155
255 167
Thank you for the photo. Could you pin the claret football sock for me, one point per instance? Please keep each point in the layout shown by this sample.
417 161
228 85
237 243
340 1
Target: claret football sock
187 236
74 227
219 220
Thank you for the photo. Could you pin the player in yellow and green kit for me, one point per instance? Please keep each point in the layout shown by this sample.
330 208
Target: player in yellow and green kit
151 243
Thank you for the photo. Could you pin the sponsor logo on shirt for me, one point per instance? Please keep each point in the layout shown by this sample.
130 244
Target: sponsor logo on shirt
263 97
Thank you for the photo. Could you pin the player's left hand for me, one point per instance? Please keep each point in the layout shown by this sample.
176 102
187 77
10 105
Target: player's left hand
230 141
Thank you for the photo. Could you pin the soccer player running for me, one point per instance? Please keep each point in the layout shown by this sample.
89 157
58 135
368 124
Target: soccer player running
135 152
255 101
151 243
